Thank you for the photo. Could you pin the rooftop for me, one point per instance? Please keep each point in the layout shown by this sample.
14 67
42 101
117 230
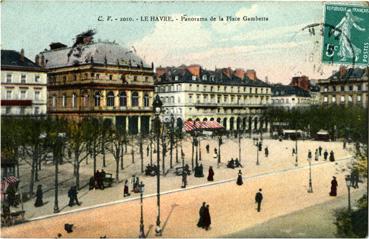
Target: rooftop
287 90
14 59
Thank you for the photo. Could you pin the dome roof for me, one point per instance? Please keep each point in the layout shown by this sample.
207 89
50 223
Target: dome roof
107 53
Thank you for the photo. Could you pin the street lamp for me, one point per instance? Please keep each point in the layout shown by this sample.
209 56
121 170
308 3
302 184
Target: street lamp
296 157
310 190
58 153
257 153
171 139
141 187
219 143
348 184
157 106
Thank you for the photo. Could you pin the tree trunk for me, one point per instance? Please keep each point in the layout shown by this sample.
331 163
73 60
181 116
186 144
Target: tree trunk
141 155
121 157
103 154
177 152
32 179
77 175
94 156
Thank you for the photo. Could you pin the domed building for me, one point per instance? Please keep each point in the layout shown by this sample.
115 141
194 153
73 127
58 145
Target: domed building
99 79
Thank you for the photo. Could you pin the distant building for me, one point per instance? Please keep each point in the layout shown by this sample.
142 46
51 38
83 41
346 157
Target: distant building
287 96
233 98
99 79
23 85
301 82
345 87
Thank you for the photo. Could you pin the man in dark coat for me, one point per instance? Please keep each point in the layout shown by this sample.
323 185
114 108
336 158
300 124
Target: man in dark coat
334 185
207 218
72 194
184 178
239 178
331 156
320 150
258 199
325 154
39 196
266 151
211 174
201 214
126 189
207 148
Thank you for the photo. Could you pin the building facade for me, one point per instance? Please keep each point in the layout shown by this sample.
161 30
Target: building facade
99 79
234 99
23 85
345 87
287 96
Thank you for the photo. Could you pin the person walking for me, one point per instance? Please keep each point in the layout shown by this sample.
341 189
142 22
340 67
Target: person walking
126 189
266 151
331 156
239 178
72 194
344 144
184 178
258 199
207 148
325 154
320 150
293 151
215 151
207 218
211 174
334 186
355 178
39 195
201 223
316 154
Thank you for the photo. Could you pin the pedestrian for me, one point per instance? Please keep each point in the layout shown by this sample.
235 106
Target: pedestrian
207 148
334 185
309 154
91 184
215 151
344 144
355 178
331 156
211 174
316 154
147 151
258 199
239 178
72 194
207 218
126 189
200 223
293 151
39 194
184 178
266 151
201 170
102 178
97 179
320 150
325 154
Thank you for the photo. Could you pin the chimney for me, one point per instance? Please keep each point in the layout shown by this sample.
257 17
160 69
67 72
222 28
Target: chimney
194 69
160 71
251 74
343 71
42 61
22 55
240 73
227 72
37 60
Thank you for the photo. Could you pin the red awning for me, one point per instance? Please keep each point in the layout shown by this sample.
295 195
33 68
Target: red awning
202 125
16 102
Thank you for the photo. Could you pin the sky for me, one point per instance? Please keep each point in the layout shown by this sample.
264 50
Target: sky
277 49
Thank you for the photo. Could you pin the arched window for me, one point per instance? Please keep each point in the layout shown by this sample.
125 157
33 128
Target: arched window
97 99
134 99
74 100
85 100
122 99
64 101
146 100
53 101
110 99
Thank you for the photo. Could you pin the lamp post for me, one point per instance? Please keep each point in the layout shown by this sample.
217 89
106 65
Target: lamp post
219 143
141 186
348 184
157 105
296 157
310 189
58 153
171 139
239 140
257 153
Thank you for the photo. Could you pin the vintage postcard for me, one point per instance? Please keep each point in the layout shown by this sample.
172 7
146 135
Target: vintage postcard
184 119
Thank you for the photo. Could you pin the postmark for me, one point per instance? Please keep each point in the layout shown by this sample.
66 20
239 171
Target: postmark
345 35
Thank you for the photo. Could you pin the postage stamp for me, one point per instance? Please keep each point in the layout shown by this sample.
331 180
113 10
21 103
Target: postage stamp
346 39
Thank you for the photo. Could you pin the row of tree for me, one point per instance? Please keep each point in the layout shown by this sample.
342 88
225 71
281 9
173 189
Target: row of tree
34 140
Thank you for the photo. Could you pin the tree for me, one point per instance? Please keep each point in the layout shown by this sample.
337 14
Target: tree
116 136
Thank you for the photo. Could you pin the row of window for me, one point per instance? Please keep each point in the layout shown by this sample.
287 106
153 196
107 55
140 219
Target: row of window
98 76
22 95
10 78
342 98
20 110
110 99
205 88
233 99
299 100
334 88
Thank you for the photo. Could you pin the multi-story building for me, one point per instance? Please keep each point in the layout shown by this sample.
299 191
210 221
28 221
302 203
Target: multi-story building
232 98
345 87
99 79
288 96
23 85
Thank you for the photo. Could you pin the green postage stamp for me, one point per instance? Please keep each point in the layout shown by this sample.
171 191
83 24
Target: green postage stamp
346 34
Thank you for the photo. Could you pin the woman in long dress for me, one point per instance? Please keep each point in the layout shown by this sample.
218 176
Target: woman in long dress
211 174
334 185
239 178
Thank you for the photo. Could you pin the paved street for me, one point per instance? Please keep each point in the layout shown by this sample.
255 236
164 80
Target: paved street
280 158
232 207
